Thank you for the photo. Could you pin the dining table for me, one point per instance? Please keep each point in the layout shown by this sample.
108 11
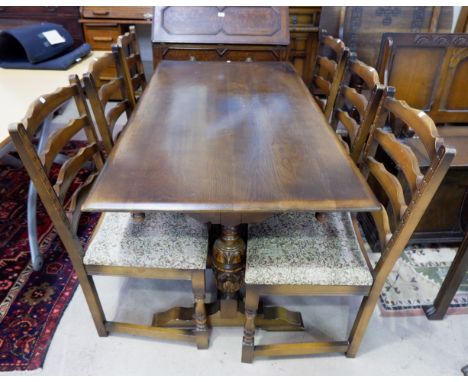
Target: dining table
230 144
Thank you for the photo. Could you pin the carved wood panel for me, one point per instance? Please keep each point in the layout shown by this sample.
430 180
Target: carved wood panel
361 28
429 71
457 82
221 25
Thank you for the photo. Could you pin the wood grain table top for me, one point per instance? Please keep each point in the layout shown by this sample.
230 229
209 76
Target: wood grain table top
228 137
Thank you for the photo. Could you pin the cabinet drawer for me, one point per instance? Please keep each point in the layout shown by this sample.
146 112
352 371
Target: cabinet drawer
102 36
304 16
138 13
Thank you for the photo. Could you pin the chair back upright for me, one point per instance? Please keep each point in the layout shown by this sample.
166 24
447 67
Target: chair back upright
329 71
53 190
130 64
357 104
100 93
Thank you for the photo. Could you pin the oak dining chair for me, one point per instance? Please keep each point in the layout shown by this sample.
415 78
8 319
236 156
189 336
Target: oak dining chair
160 246
356 106
329 71
293 254
99 94
127 50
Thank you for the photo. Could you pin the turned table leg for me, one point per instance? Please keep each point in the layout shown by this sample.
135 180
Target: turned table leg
228 257
229 265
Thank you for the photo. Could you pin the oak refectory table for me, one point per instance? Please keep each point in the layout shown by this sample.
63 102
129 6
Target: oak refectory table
230 143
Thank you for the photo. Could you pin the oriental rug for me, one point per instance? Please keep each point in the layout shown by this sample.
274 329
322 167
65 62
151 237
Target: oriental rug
416 279
31 303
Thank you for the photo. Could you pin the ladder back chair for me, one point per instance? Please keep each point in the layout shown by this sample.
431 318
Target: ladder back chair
130 62
293 254
357 105
161 246
99 94
329 71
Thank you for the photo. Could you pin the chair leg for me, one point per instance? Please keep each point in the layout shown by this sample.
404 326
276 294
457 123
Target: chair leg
251 306
362 320
201 331
94 304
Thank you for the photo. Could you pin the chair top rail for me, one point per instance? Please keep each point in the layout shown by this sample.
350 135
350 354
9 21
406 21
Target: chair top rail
45 105
417 120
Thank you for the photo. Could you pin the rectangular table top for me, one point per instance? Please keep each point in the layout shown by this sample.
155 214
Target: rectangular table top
20 87
228 137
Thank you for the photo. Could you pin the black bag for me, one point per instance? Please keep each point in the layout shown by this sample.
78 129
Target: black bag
39 46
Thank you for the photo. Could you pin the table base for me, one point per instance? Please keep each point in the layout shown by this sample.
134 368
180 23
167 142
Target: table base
231 313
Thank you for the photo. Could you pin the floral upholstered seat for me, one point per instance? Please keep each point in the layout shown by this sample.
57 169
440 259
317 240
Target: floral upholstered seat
294 248
161 240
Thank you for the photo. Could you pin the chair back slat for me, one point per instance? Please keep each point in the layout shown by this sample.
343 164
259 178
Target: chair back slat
133 59
382 224
403 157
33 164
136 81
359 100
44 106
39 164
350 125
322 84
391 186
99 95
99 66
326 65
130 64
71 167
337 45
107 90
366 73
114 114
329 70
59 139
419 203
395 234
418 121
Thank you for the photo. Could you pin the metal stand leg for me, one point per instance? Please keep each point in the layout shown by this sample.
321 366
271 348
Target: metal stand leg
7 159
36 257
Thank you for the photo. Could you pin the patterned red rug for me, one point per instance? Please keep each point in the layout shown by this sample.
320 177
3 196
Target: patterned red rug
31 303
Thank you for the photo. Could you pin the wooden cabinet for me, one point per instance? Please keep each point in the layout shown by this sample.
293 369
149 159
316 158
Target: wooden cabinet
11 17
220 33
117 13
221 25
102 25
237 34
303 29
